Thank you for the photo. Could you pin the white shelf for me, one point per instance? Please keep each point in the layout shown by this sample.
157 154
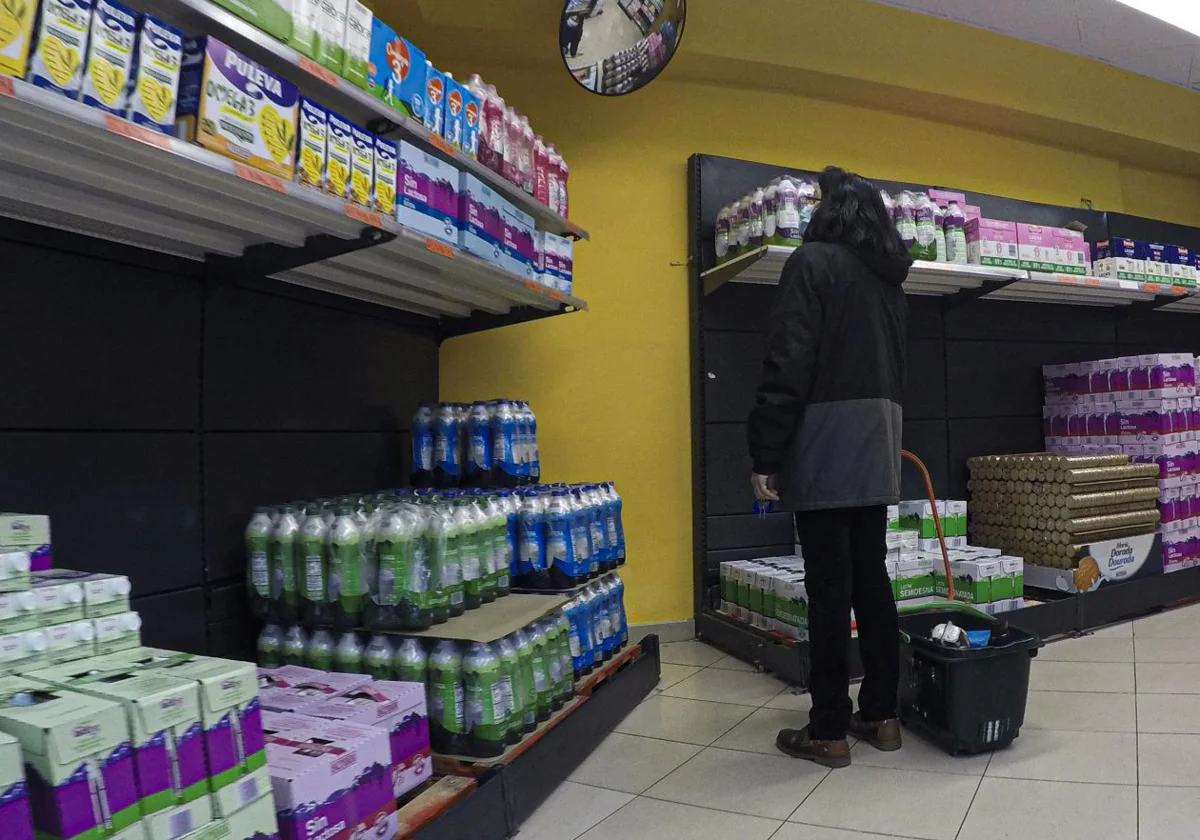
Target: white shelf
75 168
349 100
764 266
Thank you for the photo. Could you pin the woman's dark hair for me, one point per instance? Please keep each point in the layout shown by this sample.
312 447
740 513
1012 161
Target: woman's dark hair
853 214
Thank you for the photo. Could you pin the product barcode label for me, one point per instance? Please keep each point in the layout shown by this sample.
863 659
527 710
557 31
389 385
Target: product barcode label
313 579
459 711
499 703
456 598
180 824
258 570
506 696
575 652
539 676
248 791
1011 249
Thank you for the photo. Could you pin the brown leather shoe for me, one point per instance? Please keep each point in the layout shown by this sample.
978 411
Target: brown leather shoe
798 743
882 735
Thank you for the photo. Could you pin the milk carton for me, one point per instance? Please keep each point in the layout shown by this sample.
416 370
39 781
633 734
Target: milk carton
454 120
399 709
384 189
70 642
237 108
105 82
993 243
1010 581
1182 266
517 255
973 580
1153 255
428 200
271 16
29 533
18 20
1037 248
163 716
154 82
331 34
117 632
1072 251
256 821
296 689
362 166
480 218
306 17
78 758
18 611
16 823
472 121
396 71
23 651
103 594
434 115
914 578
57 61
1118 259
339 156
330 779
791 606
357 58
314 128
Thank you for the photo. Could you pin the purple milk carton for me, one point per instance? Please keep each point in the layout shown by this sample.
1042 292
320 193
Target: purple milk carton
16 823
480 219
76 748
427 197
517 254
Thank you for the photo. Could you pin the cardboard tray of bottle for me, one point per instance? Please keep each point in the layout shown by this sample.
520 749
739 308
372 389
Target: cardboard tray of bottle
491 621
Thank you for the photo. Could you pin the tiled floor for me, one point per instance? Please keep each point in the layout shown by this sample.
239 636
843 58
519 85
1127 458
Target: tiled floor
1110 749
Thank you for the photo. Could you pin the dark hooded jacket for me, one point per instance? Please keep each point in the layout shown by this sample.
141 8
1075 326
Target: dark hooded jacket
827 417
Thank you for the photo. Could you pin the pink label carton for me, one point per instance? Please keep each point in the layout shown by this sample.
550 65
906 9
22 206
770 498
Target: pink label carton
330 778
992 242
1037 248
399 709
293 688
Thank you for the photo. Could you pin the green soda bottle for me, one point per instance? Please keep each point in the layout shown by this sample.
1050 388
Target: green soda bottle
409 662
319 653
348 655
567 687
315 609
447 719
444 536
466 543
510 665
258 563
377 659
283 543
528 692
487 712
345 569
393 547
270 647
295 646
483 549
541 671
553 655
501 550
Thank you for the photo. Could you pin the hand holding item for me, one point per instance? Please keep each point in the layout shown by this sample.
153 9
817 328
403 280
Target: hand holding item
764 487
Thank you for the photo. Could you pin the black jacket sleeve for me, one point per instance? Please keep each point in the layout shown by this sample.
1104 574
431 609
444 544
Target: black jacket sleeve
793 335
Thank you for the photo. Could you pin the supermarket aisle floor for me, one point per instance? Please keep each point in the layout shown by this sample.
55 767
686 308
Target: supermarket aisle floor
1110 748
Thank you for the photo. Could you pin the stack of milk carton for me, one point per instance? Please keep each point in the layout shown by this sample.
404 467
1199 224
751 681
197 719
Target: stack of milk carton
141 744
1145 407
314 719
1146 262
768 594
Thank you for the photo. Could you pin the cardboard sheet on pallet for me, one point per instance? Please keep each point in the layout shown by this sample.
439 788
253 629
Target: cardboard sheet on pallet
493 621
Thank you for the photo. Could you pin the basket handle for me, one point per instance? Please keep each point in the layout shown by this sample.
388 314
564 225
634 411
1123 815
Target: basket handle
937 520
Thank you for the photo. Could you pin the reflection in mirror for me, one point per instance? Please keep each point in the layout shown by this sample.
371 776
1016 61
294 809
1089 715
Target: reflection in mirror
612 47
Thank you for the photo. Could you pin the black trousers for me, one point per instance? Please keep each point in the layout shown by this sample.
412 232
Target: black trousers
844 552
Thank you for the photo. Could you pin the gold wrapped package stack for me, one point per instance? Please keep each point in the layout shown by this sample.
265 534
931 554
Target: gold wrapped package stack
1047 507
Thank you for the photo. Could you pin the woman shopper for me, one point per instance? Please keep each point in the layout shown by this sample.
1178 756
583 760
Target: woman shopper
824 436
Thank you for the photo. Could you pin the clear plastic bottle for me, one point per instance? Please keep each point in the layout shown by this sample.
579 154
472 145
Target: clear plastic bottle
447 713
409 661
532 559
258 562
542 683
567 687
956 236
939 232
348 655
445 565
319 651
756 211
464 538
528 144
770 208
906 220
510 664
742 225
553 178
495 129
513 140
345 568
494 509
486 709
270 647
925 247
313 553
529 709
561 562
295 646
284 539
721 233
377 658
787 213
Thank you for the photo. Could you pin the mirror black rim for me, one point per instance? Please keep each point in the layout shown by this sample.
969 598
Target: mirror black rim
682 4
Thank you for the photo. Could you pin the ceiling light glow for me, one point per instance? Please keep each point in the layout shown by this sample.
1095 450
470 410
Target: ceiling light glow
1183 14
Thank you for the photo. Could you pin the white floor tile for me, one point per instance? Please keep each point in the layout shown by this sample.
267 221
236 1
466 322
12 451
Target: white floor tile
688 721
732 663
792 701
1169 760
1168 713
767 786
1176 678
631 763
800 831
1016 809
897 802
727 687
919 754
1168 650
1088 649
653 818
1106 757
1183 623
1124 630
1080 711
570 811
757 732
691 652
669 674
1168 813
1081 676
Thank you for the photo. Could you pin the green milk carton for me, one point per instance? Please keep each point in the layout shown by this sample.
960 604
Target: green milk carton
271 16
78 757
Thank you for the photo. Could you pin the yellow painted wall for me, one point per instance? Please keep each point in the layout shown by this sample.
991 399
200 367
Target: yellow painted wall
611 386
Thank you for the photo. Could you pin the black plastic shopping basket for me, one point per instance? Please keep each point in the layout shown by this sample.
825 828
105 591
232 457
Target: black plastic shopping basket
965 700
